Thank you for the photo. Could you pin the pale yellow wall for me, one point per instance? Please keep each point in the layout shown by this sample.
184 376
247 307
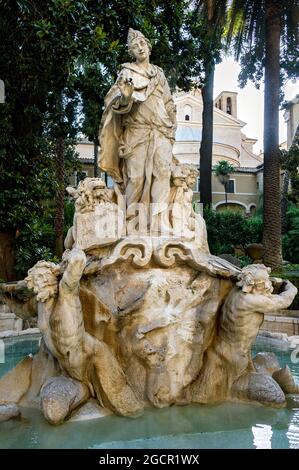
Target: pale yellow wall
245 191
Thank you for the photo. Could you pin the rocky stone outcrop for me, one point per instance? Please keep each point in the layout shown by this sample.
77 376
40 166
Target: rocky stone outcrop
59 396
9 411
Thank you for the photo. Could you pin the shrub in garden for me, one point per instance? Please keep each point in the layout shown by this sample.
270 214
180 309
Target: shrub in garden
227 229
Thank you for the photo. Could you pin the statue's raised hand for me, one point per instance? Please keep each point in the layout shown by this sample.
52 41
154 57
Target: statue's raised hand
126 88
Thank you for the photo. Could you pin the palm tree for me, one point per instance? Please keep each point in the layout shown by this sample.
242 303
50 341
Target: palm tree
264 36
210 16
223 169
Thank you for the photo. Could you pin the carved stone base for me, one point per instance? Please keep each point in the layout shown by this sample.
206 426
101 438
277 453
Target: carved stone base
147 322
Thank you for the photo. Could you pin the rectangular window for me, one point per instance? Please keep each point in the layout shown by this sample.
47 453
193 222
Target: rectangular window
230 187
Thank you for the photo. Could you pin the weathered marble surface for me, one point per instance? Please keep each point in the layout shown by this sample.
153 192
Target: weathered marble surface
150 324
139 313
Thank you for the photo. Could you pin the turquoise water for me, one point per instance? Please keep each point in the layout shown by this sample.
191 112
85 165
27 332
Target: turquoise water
229 425
16 348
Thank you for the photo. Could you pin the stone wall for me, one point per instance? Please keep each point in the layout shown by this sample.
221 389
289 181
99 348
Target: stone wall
282 323
8 320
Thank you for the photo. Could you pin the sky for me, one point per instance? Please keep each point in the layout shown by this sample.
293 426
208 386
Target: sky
250 107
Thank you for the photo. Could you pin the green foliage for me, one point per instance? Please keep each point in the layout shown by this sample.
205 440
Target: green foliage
244 260
246 33
39 42
58 59
227 229
36 240
223 167
205 25
70 54
69 210
290 241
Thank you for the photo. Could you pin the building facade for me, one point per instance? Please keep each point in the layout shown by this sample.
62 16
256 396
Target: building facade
291 117
229 143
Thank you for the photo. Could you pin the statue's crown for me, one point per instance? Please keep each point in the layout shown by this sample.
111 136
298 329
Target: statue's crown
133 34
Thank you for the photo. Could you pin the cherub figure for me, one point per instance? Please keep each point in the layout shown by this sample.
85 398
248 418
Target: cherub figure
185 222
229 358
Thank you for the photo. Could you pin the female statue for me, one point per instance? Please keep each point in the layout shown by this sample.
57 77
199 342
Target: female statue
138 131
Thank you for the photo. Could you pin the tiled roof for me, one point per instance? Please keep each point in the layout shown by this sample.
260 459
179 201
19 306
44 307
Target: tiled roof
248 169
86 160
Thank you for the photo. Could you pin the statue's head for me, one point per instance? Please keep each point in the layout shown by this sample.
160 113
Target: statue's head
255 279
138 45
192 175
178 176
184 174
42 278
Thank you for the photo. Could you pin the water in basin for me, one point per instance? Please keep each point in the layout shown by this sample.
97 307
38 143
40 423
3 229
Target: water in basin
228 425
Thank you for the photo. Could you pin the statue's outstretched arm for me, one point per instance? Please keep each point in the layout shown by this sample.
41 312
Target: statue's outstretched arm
267 304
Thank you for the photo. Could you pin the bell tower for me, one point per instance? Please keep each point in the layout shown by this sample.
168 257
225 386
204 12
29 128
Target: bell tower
226 101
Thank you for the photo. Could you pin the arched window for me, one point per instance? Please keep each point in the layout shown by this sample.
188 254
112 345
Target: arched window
188 112
229 105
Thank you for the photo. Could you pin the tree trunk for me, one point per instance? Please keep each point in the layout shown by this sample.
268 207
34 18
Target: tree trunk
206 146
272 213
59 200
96 169
284 201
7 256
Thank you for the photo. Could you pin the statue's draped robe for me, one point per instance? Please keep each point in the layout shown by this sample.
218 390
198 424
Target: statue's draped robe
136 140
